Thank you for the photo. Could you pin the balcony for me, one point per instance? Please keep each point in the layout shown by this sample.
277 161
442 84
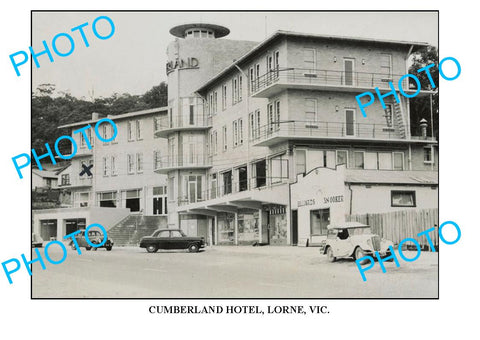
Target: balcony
271 134
276 81
166 125
163 165
251 193
80 182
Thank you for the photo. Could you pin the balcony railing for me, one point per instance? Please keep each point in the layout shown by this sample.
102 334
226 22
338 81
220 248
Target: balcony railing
257 183
172 162
325 129
332 78
182 122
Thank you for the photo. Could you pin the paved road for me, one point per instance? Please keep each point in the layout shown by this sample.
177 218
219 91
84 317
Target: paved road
223 272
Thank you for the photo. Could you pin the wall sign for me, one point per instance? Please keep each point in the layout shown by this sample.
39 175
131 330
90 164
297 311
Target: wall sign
181 64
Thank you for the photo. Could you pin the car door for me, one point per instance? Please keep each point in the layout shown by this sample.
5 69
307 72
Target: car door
177 240
163 239
343 243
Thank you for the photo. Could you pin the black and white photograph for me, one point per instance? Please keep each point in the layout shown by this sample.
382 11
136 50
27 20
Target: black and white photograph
236 162
211 171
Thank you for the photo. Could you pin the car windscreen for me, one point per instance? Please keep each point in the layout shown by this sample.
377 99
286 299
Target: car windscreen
360 231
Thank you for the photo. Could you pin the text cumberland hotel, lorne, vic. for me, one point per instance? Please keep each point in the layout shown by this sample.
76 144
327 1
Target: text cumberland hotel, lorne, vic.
260 142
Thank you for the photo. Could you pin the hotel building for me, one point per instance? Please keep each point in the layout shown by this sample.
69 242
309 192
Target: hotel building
262 142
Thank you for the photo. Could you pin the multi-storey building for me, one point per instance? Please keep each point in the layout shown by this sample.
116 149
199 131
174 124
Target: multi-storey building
265 142
287 108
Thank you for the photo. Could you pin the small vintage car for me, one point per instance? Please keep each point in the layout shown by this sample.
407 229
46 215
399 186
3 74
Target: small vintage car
354 239
171 239
95 236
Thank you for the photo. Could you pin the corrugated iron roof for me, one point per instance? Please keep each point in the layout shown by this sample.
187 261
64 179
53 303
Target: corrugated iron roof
391 177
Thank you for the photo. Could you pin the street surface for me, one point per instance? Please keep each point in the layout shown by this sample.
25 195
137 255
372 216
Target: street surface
228 272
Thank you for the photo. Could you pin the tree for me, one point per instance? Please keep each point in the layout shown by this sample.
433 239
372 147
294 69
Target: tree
420 106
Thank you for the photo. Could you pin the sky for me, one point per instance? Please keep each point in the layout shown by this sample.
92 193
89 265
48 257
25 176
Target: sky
133 59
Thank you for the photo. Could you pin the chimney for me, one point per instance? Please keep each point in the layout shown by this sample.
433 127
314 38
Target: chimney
95 115
423 126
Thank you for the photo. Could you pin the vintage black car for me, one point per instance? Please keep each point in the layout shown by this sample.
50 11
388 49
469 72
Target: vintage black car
171 239
95 236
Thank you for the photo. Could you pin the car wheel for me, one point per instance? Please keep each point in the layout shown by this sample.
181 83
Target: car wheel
109 248
193 248
88 248
359 254
94 248
152 248
73 247
330 256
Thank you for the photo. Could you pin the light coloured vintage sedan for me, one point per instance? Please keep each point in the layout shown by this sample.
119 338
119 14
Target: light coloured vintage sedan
354 239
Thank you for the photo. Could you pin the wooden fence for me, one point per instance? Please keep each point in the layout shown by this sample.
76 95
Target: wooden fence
398 225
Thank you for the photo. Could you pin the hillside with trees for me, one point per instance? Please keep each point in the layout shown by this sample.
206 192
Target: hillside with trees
50 111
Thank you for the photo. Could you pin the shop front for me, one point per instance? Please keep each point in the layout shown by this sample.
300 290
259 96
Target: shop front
317 200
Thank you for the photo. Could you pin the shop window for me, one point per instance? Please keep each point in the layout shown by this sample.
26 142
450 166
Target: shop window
301 161
74 224
132 200
319 220
403 198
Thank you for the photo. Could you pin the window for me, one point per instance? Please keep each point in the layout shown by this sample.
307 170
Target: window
252 79
113 165
309 59
254 122
157 160
371 161
105 166
260 173
191 112
227 182
427 155
82 199
310 110
130 164
239 88
270 117
160 200
132 199
83 142
108 199
358 159
342 157
224 97
319 220
277 114
301 161
235 133
398 161
138 128
86 164
130 130
193 188
403 199
105 132
225 138
279 168
234 91
242 178
385 161
214 102
66 179
215 143
213 190
350 122
348 71
139 162
240 131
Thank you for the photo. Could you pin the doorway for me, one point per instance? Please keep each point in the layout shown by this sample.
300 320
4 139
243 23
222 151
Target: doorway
349 71
294 227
